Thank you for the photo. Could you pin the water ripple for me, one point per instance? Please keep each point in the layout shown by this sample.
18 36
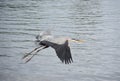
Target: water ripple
95 21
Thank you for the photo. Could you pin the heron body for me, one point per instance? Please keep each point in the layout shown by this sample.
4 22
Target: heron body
59 44
62 50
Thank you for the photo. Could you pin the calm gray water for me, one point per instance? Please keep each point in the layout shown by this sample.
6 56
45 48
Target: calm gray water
95 21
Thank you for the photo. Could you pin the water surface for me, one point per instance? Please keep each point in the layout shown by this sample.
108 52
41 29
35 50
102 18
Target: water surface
95 21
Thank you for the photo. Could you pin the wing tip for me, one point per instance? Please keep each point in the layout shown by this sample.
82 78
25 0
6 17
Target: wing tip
69 61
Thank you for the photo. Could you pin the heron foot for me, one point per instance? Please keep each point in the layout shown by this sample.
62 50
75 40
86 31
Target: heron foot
32 55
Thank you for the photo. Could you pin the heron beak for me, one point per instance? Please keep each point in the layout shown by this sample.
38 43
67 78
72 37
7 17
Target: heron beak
78 41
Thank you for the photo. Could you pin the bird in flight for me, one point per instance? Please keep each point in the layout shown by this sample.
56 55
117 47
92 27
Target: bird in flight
60 44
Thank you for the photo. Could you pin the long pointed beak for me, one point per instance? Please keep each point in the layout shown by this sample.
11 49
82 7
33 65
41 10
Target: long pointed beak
77 40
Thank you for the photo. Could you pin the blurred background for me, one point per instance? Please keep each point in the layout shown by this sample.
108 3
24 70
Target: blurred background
95 21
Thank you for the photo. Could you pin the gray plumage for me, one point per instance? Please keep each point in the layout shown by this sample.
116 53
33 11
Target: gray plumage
62 50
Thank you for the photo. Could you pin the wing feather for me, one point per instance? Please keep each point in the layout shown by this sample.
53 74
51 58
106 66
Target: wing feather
64 53
62 50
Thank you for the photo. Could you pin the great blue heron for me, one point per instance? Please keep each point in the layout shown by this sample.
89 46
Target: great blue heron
60 44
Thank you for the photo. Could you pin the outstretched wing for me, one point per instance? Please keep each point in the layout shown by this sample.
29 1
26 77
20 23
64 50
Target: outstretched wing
62 51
